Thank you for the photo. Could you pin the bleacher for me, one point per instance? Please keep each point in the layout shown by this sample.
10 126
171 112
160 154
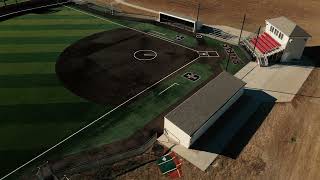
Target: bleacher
265 43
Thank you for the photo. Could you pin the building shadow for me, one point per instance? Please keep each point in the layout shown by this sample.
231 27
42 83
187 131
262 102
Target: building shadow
234 129
312 54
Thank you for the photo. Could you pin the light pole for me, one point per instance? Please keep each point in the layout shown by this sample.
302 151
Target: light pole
243 21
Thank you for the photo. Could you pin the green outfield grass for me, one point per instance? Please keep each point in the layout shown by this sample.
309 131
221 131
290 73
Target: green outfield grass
36 110
232 68
126 121
188 40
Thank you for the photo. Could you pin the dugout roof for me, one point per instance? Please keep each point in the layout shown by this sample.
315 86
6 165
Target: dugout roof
190 115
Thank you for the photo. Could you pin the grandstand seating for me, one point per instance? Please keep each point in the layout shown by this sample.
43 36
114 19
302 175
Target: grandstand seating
265 43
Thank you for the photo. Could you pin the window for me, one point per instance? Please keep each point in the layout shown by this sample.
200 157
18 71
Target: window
276 32
271 28
280 34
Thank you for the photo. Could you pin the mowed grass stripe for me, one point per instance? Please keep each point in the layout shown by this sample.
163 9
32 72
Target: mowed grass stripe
55 27
29 80
27 68
39 40
35 135
43 95
70 20
29 57
55 16
59 112
27 48
48 33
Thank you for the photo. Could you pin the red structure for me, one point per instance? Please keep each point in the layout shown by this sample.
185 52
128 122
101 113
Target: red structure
265 43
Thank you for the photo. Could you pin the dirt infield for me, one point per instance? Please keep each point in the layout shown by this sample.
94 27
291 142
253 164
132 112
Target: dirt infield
103 68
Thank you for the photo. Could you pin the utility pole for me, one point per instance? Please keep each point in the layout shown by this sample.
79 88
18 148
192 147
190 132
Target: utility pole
4 2
243 21
198 13
229 54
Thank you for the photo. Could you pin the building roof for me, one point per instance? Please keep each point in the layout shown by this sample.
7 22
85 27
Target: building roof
190 115
288 27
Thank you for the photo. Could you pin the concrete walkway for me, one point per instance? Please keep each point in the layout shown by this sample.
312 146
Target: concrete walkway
200 159
280 81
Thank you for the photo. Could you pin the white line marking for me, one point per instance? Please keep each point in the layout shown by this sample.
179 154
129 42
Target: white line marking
208 54
158 33
16 12
93 122
174 84
151 54
167 161
150 34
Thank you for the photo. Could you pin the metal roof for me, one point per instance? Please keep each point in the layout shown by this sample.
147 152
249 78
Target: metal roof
190 115
288 27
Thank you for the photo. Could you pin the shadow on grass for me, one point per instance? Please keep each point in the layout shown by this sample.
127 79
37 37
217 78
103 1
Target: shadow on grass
24 8
234 129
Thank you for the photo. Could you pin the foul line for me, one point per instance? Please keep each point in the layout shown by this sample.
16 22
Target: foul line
93 122
152 35
158 33
174 84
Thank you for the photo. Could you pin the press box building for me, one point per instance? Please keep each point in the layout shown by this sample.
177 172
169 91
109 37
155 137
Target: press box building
283 40
188 121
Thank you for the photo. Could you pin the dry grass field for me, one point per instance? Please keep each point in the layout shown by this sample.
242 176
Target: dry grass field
230 12
286 146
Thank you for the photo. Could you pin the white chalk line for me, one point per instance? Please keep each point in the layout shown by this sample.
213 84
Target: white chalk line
174 84
158 33
101 117
150 34
93 122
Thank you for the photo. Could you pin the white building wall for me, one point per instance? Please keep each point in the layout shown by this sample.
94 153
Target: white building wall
213 119
294 49
282 41
175 133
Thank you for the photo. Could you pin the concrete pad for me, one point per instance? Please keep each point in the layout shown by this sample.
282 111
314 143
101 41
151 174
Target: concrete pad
200 159
246 70
280 81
